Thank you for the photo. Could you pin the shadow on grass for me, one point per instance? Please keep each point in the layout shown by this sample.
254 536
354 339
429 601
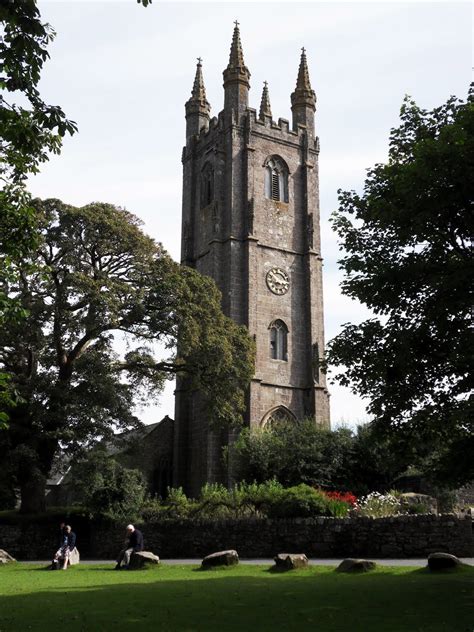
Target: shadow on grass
457 570
248 598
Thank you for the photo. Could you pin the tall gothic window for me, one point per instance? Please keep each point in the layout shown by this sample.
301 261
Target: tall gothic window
276 179
279 415
279 340
207 185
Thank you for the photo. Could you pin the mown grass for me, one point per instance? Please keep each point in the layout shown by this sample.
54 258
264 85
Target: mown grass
171 598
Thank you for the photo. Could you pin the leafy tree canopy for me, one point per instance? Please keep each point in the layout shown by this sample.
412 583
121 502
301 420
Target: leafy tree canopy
96 276
407 256
29 130
293 453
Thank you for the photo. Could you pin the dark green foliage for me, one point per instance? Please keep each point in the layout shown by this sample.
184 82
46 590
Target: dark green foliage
303 501
96 276
293 453
28 134
360 461
407 243
374 461
109 490
268 499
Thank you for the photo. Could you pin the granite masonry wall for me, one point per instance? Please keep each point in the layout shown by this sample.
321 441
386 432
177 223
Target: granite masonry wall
396 537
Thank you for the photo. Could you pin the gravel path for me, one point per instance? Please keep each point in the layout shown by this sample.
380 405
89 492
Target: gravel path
268 561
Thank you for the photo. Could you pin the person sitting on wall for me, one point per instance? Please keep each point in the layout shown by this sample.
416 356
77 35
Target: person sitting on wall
133 544
63 554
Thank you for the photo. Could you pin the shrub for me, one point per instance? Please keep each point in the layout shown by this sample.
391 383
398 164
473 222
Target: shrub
216 501
257 498
293 453
303 501
176 506
377 505
108 489
447 501
119 494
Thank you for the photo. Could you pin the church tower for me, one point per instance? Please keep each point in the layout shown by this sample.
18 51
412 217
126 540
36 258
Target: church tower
251 222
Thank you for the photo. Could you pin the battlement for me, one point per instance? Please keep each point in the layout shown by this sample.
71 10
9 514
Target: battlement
236 110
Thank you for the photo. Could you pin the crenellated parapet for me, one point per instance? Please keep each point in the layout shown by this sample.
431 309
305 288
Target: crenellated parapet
236 101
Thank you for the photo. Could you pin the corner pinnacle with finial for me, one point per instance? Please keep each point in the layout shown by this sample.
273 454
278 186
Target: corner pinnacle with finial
303 94
198 103
303 82
265 107
198 92
236 58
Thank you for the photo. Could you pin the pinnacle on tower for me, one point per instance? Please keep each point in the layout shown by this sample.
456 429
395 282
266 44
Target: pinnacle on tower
199 91
303 99
197 107
303 82
236 79
303 94
265 107
236 58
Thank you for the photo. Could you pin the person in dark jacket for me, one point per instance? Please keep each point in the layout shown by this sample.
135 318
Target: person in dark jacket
65 550
133 544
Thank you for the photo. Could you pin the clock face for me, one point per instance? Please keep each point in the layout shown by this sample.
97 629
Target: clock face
278 281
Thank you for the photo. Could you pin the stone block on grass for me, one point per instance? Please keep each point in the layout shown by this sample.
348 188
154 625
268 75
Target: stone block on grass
352 565
141 559
442 561
6 558
290 561
221 558
74 557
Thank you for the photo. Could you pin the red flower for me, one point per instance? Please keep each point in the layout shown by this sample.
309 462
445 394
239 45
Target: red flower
346 497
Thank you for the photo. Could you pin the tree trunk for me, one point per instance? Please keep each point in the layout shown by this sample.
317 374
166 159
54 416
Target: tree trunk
35 470
32 493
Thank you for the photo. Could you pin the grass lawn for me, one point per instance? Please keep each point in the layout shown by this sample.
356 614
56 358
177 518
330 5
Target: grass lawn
98 599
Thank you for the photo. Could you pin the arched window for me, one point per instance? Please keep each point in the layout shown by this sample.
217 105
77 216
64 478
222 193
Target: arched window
279 340
207 185
276 416
276 179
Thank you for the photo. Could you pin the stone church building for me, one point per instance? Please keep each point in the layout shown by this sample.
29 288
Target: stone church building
251 222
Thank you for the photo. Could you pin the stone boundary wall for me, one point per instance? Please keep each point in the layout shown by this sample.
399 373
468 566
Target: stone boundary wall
396 537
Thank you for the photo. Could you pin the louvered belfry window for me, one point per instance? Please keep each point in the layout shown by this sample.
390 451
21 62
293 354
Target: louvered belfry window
275 186
276 180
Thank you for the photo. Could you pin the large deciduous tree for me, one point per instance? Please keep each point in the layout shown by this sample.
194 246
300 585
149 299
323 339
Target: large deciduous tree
29 131
95 277
408 257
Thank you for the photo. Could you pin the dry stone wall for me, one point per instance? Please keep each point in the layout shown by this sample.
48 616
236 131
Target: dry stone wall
396 537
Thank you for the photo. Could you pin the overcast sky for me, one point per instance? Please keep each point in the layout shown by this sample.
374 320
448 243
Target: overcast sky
123 73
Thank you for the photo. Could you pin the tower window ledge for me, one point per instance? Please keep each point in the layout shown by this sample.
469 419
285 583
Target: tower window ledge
280 206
